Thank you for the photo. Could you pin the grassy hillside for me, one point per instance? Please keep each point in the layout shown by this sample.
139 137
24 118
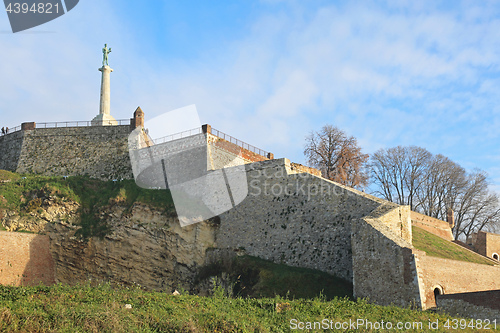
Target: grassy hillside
438 247
103 309
23 194
254 277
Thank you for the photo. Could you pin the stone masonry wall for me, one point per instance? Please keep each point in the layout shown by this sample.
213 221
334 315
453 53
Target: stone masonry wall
10 149
25 259
433 225
477 305
98 151
384 263
455 277
397 218
461 308
295 218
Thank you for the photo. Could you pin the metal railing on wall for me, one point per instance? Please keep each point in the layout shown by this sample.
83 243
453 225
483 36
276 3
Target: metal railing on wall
60 124
177 136
240 143
215 132
12 130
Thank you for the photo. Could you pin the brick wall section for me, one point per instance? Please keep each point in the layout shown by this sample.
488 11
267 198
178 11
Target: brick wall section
98 151
25 259
295 218
223 147
437 227
478 305
246 154
480 244
488 244
455 277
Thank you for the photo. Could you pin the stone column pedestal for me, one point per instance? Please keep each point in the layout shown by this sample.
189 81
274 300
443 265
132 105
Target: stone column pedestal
104 118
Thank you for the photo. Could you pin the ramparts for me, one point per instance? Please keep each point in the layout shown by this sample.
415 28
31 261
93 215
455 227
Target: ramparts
290 215
488 244
435 226
453 276
478 305
102 151
296 218
96 151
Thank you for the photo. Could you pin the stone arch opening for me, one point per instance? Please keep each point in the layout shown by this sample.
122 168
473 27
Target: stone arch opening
437 290
495 256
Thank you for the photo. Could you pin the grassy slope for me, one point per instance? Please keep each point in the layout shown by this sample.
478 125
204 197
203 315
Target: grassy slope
438 247
102 309
255 277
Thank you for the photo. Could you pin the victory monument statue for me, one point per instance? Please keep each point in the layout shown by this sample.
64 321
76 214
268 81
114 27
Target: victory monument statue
105 52
104 117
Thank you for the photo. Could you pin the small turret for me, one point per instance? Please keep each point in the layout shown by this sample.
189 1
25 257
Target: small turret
138 120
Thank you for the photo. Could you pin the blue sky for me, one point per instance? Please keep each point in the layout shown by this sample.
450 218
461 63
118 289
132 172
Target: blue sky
423 73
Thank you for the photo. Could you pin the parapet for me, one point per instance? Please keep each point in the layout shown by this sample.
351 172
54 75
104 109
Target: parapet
435 226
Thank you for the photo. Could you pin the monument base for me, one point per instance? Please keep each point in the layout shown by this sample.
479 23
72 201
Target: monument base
104 120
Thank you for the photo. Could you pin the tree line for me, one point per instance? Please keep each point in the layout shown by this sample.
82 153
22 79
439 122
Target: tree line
408 175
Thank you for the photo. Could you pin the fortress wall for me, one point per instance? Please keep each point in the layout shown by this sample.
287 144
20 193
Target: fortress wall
456 277
98 151
295 218
384 265
478 305
25 259
299 168
461 308
397 218
432 225
221 158
488 244
10 150
223 153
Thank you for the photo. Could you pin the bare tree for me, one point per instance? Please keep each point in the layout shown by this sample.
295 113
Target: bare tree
477 207
441 186
338 156
431 184
399 173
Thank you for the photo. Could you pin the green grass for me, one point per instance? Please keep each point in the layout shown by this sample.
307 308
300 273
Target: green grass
23 195
438 247
255 277
7 175
102 309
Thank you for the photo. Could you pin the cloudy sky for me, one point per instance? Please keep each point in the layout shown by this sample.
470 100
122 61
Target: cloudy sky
390 73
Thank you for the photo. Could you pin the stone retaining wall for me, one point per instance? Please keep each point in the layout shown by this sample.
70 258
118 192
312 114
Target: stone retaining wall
477 305
295 218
